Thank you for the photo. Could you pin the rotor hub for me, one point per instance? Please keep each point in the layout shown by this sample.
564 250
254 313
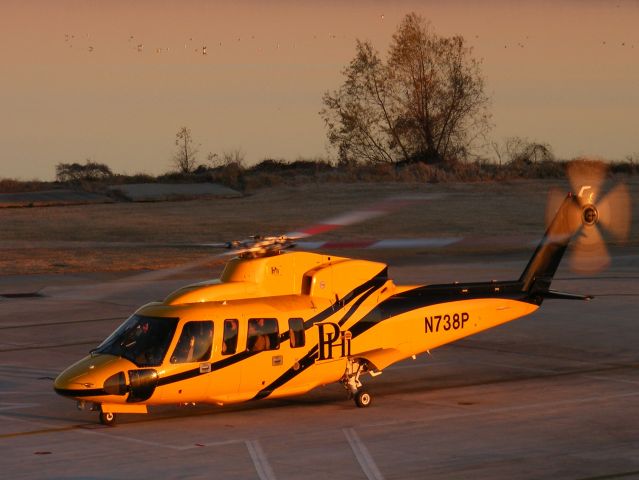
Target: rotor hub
590 215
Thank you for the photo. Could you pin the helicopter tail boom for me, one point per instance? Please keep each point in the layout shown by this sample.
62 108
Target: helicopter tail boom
538 274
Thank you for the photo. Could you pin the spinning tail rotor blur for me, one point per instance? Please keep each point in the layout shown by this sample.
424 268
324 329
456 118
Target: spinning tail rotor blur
593 212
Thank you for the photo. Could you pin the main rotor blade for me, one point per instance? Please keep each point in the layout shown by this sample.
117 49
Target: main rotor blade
210 245
102 291
589 253
586 179
384 207
615 212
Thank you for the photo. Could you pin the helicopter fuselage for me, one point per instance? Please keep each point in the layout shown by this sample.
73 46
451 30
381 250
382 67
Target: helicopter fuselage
278 326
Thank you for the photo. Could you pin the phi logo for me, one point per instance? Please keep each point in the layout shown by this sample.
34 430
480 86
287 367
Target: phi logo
330 337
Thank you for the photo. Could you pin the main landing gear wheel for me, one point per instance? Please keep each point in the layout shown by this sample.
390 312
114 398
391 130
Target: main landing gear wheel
362 399
107 418
354 369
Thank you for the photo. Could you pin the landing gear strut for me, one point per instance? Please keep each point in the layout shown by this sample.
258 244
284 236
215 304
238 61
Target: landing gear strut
352 384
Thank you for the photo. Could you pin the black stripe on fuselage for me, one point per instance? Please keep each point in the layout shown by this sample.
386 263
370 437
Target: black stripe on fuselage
93 392
396 305
357 304
310 358
412 300
195 372
376 281
305 362
428 295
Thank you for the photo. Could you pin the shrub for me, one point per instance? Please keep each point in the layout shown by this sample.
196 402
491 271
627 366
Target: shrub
76 172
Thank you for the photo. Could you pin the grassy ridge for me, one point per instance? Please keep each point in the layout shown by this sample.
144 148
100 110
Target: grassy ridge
269 173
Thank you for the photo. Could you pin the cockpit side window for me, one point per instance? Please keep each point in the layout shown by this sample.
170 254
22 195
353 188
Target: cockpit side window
229 342
195 343
142 340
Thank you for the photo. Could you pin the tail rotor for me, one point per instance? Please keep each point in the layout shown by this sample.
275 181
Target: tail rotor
609 213
578 218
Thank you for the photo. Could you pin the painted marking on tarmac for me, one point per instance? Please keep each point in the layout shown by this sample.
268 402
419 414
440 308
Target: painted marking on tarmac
515 367
363 456
418 365
23 369
22 326
609 379
491 411
97 431
213 444
262 467
4 406
463 344
92 429
25 393
554 372
84 428
127 439
49 427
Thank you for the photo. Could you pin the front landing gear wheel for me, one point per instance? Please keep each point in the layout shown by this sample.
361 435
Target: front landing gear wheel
107 418
362 399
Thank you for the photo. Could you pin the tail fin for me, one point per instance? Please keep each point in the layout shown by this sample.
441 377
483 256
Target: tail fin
541 268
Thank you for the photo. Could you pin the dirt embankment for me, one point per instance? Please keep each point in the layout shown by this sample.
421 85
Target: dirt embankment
139 192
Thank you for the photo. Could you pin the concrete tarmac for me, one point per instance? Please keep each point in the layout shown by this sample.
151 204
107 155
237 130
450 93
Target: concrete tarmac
553 395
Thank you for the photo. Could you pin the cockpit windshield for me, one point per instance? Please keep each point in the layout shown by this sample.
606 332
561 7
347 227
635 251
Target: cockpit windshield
142 340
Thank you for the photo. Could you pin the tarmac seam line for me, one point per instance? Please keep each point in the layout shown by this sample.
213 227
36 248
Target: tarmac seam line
363 456
262 467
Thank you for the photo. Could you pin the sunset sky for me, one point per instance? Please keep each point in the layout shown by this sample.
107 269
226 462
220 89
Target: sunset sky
114 80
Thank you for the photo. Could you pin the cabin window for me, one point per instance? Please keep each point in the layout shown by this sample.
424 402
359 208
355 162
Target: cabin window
195 343
263 334
229 342
296 332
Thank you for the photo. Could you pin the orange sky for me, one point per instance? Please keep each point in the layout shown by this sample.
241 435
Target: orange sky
74 85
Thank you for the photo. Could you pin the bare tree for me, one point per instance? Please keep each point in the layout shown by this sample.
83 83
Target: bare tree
185 156
426 103
360 116
233 157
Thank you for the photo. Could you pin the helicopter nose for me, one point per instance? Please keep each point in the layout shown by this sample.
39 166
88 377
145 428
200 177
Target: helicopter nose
68 384
76 387
92 376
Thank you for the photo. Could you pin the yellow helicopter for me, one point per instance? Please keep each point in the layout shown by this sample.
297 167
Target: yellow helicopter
280 323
